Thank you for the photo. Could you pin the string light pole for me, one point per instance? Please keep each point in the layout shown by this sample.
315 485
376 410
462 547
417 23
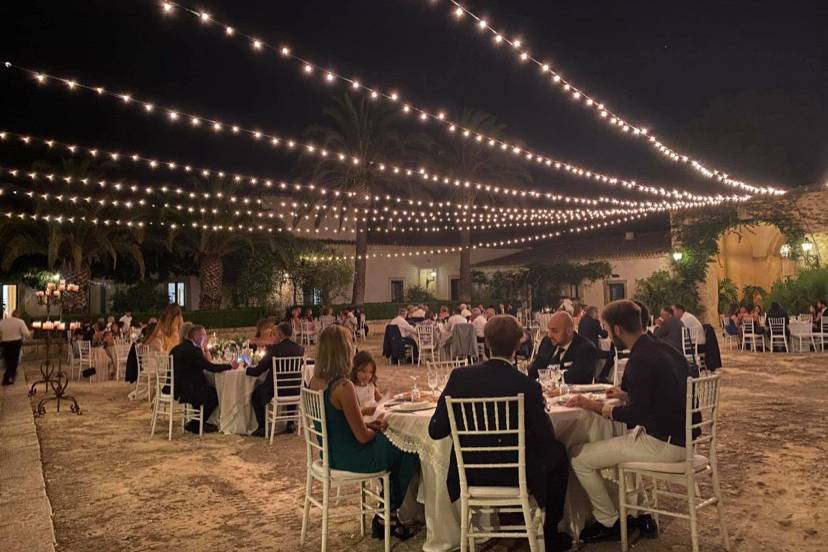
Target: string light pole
53 376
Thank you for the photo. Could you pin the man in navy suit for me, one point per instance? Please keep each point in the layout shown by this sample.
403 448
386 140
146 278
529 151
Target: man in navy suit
547 465
563 347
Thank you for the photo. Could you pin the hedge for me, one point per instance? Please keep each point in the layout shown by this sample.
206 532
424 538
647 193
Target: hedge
226 318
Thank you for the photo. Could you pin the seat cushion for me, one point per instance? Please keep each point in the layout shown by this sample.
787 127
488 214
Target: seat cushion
342 476
699 463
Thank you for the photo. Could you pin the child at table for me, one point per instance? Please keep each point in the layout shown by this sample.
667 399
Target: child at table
364 378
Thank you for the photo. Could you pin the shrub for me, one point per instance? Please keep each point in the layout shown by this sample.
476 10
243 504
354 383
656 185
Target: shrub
418 294
142 297
728 296
795 294
662 288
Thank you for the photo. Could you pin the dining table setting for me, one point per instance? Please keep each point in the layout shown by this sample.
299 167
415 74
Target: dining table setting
408 415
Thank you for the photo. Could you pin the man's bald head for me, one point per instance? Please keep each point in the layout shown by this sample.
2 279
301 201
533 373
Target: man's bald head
561 328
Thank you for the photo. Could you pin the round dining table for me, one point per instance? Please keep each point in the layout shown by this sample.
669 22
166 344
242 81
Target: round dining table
234 413
409 432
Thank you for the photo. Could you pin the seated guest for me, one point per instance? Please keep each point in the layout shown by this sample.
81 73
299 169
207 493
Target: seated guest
103 338
758 316
820 314
283 346
562 346
418 312
327 318
589 326
478 320
732 324
354 445
407 331
456 318
668 328
652 400
691 323
444 314
776 311
349 320
191 385
465 312
547 467
264 334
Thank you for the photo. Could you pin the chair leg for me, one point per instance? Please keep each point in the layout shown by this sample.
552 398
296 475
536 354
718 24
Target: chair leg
464 524
201 421
622 509
172 411
691 500
154 418
274 409
717 491
655 499
362 508
326 491
306 508
386 505
530 525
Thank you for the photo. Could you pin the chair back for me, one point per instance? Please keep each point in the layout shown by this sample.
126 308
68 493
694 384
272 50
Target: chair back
447 364
164 375
618 372
748 327
463 341
288 375
489 434
84 350
777 327
823 325
687 344
701 416
315 426
805 318
723 321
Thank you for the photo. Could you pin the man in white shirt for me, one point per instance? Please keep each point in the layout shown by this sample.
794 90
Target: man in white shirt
406 329
479 322
691 323
126 322
419 312
456 318
464 311
12 333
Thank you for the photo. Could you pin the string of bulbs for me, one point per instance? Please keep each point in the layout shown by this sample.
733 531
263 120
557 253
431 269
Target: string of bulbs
329 76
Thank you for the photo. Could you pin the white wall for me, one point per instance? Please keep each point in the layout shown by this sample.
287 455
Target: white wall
381 271
626 270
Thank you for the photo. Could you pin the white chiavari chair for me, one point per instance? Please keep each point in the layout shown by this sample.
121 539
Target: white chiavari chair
777 333
822 334
122 348
500 421
749 336
164 404
426 342
699 466
146 372
288 375
319 471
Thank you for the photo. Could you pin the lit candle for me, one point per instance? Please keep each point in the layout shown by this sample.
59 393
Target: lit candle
37 324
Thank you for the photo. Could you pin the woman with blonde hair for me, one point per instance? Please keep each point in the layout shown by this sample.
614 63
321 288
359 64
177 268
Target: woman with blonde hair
264 334
354 445
167 332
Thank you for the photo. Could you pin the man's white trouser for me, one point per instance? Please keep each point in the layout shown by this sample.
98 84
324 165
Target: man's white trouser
636 446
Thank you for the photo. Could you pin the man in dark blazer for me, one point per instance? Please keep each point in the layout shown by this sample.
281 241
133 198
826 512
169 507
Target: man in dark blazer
263 393
668 328
547 465
571 351
589 326
190 384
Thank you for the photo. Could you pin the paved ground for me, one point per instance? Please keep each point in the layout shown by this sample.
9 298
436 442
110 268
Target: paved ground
112 488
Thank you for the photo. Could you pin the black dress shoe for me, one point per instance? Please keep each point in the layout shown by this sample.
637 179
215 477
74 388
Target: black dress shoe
557 542
398 530
260 432
598 532
647 525
289 428
210 428
191 426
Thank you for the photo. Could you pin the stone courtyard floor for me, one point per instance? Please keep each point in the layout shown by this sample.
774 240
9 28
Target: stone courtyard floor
113 488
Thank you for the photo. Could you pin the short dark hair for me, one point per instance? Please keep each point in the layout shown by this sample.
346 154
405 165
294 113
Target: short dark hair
645 314
286 328
679 306
194 329
503 333
623 313
669 309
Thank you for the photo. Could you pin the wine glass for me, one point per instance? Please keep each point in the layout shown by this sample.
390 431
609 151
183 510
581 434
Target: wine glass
543 377
433 379
555 374
564 388
415 392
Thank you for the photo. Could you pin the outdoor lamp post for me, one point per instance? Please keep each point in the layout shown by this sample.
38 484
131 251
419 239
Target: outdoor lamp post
785 251
678 256
53 296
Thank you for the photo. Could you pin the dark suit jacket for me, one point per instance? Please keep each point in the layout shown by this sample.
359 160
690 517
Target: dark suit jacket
496 378
285 348
581 353
189 364
591 329
670 331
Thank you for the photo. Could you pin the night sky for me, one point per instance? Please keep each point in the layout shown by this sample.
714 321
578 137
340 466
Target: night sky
739 84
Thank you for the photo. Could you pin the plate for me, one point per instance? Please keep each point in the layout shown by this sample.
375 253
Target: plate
413 406
591 387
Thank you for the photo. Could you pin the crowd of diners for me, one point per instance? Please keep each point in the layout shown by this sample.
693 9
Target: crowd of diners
735 320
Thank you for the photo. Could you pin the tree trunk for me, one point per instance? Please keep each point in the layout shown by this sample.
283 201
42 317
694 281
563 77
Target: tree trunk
465 266
360 264
211 277
77 303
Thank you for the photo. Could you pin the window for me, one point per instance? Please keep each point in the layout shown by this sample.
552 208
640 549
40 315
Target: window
316 296
397 291
9 300
175 293
455 289
616 291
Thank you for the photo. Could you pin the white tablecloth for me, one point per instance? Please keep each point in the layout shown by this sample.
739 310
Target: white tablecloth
801 333
409 432
235 411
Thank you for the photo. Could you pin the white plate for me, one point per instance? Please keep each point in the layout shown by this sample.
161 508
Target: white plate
591 387
413 406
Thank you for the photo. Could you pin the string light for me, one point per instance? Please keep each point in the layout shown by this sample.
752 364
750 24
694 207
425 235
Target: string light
526 154
421 174
610 117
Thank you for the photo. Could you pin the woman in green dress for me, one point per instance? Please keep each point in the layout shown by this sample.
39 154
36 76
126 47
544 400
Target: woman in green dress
354 445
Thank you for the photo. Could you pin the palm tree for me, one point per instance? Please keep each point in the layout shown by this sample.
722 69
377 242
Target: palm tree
208 248
71 248
363 129
468 159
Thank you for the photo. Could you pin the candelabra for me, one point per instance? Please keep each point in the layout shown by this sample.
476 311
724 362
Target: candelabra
52 374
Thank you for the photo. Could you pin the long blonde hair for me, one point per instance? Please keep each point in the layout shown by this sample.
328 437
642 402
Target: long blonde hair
164 333
333 356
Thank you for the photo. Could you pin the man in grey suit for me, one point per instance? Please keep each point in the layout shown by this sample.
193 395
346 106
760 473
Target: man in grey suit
668 328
